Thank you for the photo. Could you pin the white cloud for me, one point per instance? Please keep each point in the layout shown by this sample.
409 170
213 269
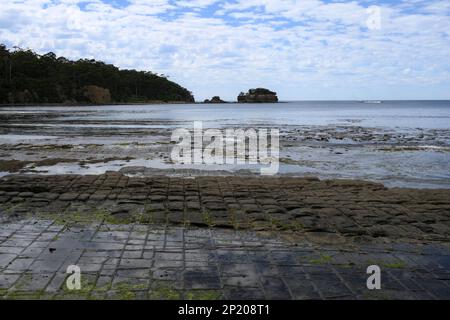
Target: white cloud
303 49
196 3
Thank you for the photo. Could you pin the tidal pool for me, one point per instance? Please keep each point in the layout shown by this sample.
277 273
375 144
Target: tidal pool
402 143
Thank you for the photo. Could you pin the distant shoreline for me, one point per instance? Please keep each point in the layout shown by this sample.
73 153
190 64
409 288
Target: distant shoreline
3 105
120 104
92 104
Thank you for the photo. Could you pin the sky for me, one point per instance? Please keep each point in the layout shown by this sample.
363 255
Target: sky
302 49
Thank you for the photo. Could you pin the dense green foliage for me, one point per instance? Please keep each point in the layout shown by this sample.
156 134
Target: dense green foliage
26 77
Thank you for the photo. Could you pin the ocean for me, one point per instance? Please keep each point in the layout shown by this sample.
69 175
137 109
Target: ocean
398 143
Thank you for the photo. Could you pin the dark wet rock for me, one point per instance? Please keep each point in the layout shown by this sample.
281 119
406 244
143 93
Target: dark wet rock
124 212
176 206
273 209
70 196
184 262
215 99
100 196
353 231
300 213
176 217
26 194
325 238
12 165
155 207
224 224
356 210
84 196
259 95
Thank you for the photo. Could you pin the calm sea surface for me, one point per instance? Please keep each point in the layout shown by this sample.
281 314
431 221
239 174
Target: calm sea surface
401 143
398 114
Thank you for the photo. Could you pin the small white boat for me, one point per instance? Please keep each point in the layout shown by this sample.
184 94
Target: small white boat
372 101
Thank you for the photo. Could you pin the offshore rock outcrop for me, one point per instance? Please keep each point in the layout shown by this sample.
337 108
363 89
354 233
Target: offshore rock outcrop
259 95
215 99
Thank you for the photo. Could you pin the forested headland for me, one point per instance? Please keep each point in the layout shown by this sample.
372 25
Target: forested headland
27 77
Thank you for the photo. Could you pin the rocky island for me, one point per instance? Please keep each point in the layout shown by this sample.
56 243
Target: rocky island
215 99
259 95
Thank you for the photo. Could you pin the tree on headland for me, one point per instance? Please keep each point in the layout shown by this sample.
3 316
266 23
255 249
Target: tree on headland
26 77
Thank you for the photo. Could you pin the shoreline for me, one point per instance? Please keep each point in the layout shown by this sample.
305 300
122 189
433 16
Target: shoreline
75 142
196 102
93 105
130 104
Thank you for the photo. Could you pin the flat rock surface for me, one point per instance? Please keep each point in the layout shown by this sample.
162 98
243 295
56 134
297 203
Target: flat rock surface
343 211
136 261
220 238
